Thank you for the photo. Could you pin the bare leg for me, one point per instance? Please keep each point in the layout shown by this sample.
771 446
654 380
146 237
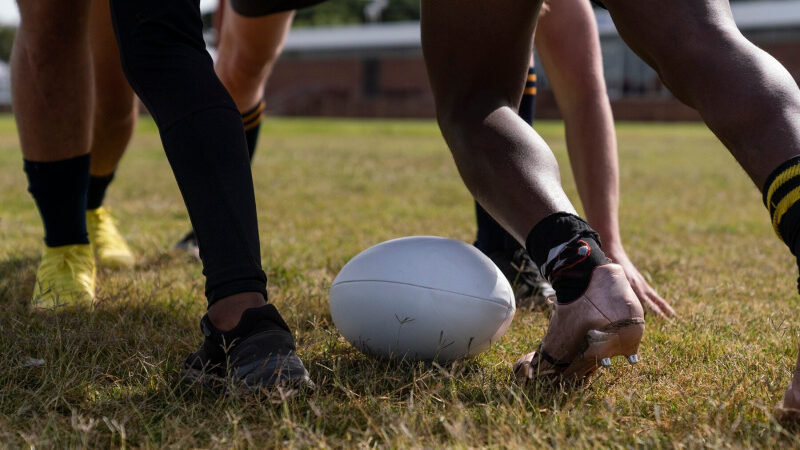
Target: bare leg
495 151
514 175
52 101
248 50
745 96
115 104
51 80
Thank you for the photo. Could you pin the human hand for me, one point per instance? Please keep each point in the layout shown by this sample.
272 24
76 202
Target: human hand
648 297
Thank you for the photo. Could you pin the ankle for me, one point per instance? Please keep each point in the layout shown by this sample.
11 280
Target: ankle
566 249
225 313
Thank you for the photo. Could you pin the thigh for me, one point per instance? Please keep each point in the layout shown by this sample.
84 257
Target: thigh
477 51
252 41
165 59
663 33
258 8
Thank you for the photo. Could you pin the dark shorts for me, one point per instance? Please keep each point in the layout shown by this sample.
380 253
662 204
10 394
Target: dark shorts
256 8
598 3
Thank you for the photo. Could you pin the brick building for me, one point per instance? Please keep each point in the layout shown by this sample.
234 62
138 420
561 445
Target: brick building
378 71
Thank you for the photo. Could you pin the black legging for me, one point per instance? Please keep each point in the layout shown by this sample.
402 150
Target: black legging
166 63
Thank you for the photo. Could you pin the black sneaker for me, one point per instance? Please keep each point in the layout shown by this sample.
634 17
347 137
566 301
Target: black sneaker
188 244
258 354
530 288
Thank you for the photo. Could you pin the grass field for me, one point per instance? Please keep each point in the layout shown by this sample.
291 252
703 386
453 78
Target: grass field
327 189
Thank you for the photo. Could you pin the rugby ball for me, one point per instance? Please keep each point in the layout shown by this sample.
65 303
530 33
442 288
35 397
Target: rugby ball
421 298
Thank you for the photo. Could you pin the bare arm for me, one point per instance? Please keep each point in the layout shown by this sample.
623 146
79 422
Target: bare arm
569 47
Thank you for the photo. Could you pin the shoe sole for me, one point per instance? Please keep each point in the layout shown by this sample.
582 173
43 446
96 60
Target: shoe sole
617 339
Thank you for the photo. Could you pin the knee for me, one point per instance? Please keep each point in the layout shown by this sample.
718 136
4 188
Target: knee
457 126
116 110
41 45
463 120
709 54
241 71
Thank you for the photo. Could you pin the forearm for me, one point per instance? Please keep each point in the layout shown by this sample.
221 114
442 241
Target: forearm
573 63
592 148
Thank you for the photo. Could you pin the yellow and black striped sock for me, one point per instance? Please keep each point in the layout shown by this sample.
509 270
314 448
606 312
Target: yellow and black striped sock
527 106
782 198
252 125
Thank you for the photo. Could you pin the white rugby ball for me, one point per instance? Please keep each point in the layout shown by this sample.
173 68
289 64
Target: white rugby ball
421 298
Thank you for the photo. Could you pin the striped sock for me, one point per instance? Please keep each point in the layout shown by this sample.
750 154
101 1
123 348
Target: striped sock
527 107
252 125
782 199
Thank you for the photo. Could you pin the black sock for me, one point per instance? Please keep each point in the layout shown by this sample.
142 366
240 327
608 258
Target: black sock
492 237
566 249
252 125
527 107
59 189
782 197
97 190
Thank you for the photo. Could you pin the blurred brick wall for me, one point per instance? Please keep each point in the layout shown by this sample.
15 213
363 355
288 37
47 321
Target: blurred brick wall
397 86
392 86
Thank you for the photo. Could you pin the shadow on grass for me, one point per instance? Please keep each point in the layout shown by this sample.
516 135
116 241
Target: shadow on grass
95 354
166 259
17 276
467 381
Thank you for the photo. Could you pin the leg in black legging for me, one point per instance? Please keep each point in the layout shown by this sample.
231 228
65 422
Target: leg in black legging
164 58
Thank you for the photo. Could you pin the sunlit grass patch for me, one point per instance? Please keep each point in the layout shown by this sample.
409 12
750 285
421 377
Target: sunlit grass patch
108 375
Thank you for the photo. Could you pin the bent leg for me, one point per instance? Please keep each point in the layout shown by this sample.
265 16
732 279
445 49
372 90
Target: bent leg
504 163
164 58
114 119
744 95
513 174
248 50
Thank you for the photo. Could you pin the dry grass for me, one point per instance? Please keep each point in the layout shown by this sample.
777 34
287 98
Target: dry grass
106 376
